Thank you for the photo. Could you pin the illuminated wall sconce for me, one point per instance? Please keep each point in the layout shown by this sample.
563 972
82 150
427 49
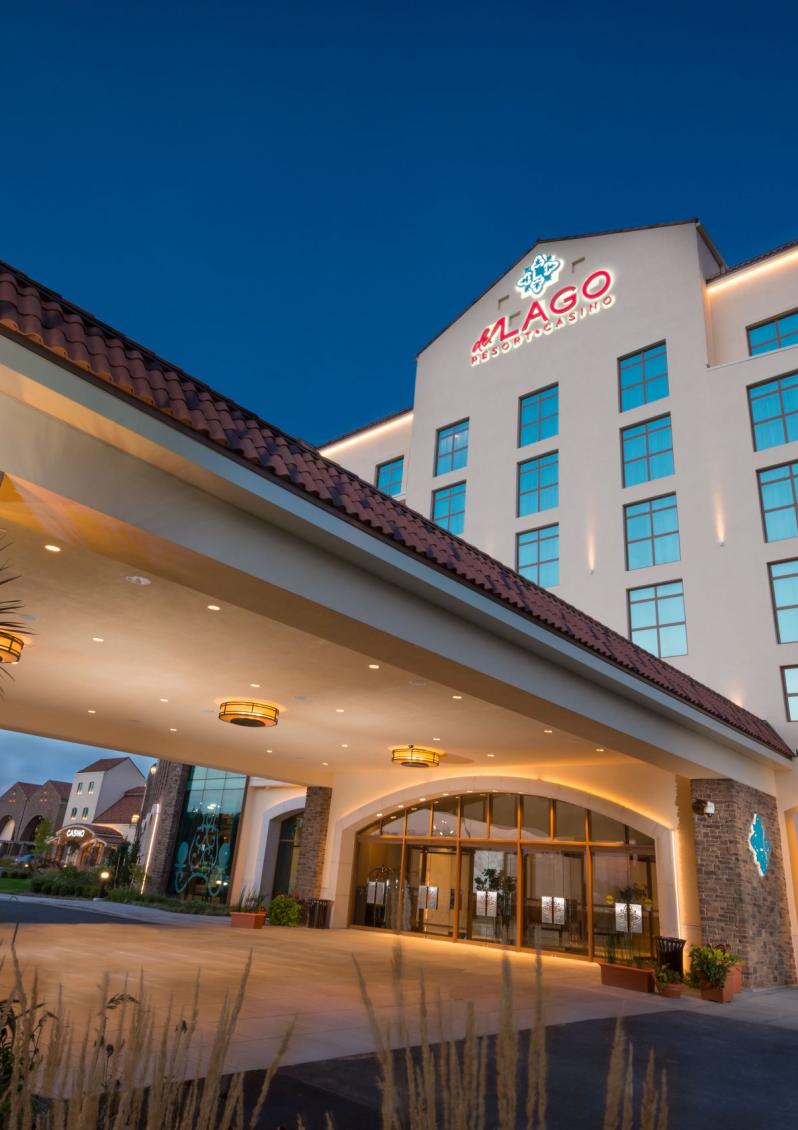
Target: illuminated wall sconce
10 648
248 713
416 757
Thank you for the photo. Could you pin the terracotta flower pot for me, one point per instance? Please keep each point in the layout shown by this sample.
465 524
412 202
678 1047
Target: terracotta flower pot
247 920
670 989
627 977
734 978
720 996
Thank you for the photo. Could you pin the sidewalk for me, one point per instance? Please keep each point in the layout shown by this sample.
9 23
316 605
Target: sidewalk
130 912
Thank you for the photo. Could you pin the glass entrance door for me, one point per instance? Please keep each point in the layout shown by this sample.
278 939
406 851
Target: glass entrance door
488 895
554 900
429 890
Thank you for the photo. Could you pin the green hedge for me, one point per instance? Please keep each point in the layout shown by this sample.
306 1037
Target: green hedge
68 882
164 902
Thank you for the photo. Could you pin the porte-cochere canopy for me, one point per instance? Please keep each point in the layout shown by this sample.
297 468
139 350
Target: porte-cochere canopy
509 868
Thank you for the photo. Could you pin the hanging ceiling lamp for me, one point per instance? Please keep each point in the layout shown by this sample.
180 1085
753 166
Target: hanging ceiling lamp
10 648
416 757
241 713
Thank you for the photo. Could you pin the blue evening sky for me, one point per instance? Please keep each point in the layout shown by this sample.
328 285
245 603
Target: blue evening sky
289 200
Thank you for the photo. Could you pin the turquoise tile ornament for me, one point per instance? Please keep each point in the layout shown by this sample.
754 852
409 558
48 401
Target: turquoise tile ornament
760 845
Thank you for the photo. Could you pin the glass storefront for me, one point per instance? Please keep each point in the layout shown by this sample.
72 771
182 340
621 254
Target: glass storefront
207 834
287 855
507 869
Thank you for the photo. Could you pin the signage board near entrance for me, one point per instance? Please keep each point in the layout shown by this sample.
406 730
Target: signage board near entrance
75 833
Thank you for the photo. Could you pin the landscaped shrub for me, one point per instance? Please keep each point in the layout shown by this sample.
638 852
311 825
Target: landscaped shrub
284 911
70 882
165 902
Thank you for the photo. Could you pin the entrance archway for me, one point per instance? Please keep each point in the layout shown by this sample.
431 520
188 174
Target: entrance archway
7 827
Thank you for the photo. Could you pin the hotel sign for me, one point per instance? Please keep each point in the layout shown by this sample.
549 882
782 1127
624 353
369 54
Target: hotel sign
75 833
567 306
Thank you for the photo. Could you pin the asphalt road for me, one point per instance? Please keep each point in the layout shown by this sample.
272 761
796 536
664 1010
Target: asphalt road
39 913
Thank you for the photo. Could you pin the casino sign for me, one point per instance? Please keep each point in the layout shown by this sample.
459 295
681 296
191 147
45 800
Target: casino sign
567 306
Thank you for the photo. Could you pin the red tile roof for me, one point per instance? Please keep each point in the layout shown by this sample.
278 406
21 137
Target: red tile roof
44 320
123 810
103 765
63 788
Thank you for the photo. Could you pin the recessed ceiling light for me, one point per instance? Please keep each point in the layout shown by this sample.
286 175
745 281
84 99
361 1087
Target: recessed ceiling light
164 700
256 686
491 755
469 790
214 608
599 749
136 580
53 548
445 794
436 739
344 746
457 696
97 639
339 710
172 729
548 731
270 751
379 814
422 798
400 806
374 666
325 763
91 711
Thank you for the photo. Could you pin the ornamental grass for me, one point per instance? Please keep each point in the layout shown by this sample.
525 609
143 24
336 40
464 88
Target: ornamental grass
139 1068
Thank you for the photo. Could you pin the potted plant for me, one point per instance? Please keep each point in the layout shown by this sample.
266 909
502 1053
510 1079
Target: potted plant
248 913
734 978
619 970
669 982
709 972
284 911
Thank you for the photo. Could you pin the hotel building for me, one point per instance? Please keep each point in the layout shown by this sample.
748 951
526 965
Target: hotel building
474 757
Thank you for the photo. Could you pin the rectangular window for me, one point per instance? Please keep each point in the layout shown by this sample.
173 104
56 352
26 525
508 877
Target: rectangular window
647 451
90 789
778 333
789 677
85 813
538 556
652 532
74 812
657 620
774 411
451 449
539 416
538 484
448 507
643 377
79 789
784 589
389 476
777 493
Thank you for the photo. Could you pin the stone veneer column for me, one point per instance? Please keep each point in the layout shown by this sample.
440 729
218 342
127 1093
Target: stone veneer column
740 907
167 788
313 842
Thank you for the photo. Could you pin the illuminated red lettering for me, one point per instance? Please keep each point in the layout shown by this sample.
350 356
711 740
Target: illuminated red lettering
568 302
535 311
604 281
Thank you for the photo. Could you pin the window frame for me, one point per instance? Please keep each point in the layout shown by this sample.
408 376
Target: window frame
656 585
435 455
782 671
528 396
439 490
634 353
644 424
758 471
773 605
760 384
766 322
654 564
535 459
537 530
388 463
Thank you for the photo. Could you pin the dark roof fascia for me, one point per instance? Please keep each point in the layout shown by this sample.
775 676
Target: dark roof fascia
366 427
553 239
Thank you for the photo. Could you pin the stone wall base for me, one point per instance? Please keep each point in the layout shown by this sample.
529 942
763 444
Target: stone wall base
314 838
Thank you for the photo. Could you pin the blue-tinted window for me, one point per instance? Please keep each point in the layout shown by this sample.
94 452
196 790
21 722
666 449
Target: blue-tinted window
448 507
643 377
774 411
784 586
538 554
647 451
538 484
657 620
775 334
790 679
451 451
652 532
207 834
779 497
389 476
539 416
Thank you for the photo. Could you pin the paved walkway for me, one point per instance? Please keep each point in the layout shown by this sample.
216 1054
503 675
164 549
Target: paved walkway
309 974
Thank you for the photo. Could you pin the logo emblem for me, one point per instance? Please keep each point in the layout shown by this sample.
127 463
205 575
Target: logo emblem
760 845
541 272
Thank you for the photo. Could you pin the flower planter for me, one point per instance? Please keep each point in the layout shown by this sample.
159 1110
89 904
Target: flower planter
734 978
627 977
720 996
670 990
247 920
